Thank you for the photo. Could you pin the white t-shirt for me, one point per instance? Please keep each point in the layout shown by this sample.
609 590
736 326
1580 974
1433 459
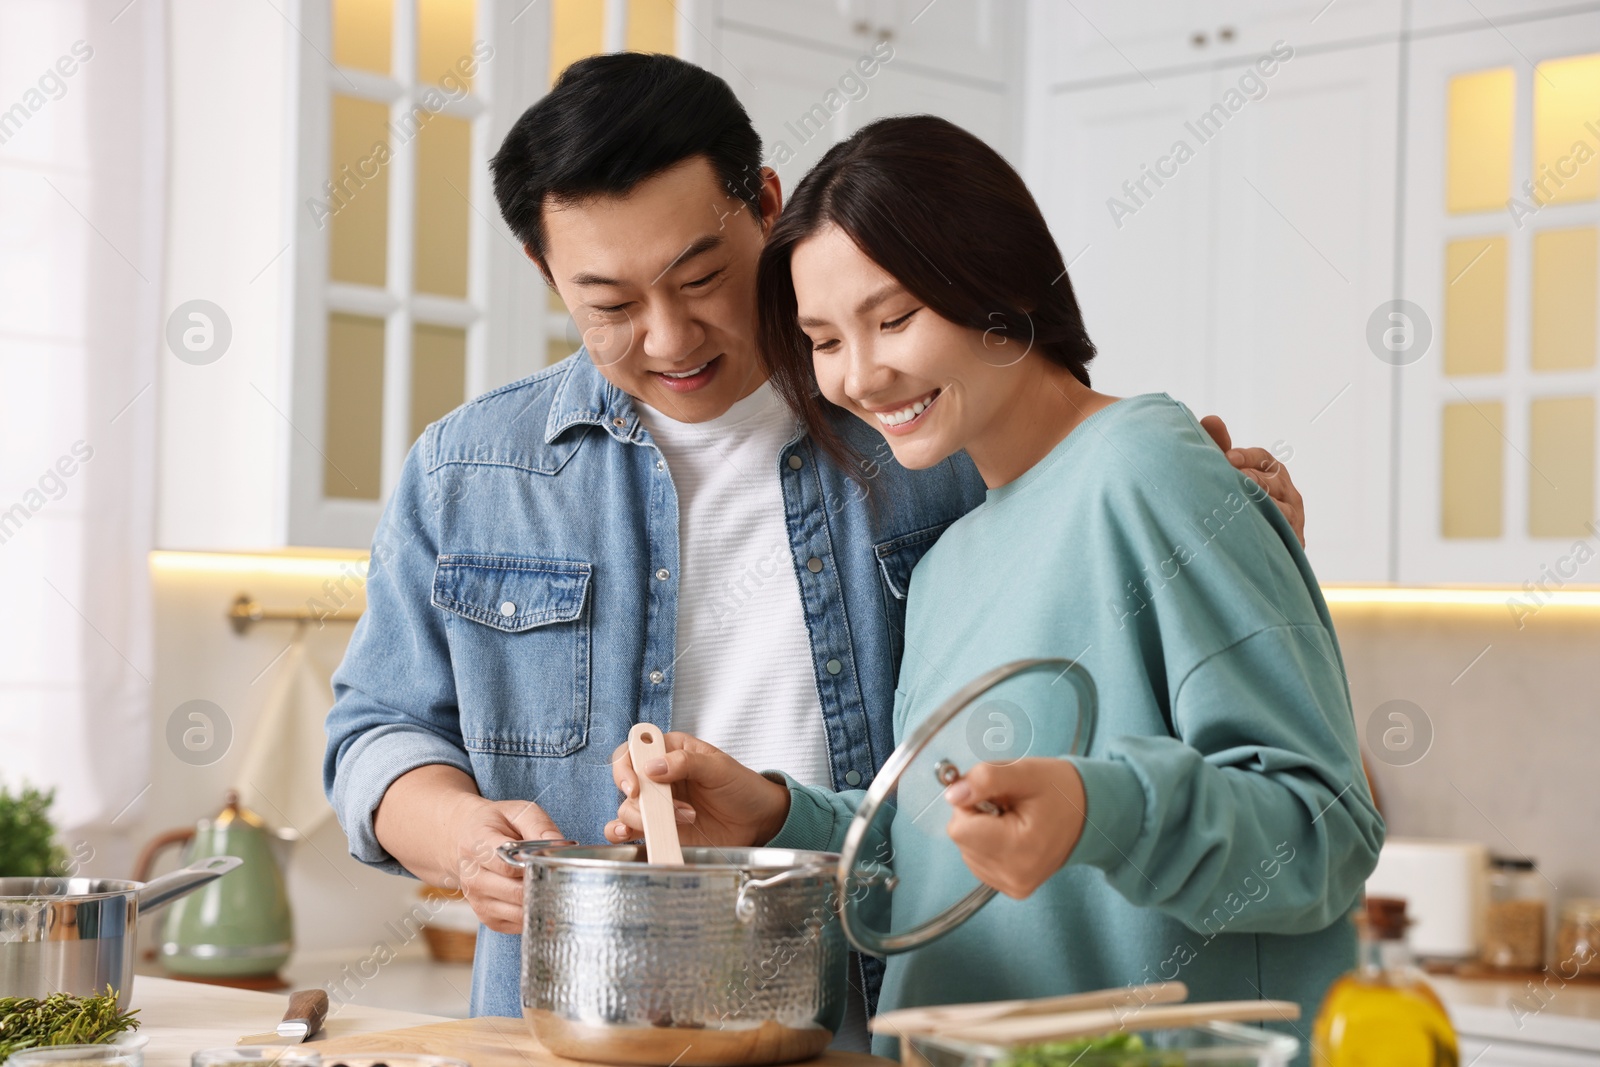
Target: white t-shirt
744 679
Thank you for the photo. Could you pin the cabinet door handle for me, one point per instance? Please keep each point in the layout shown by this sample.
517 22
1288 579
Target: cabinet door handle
1225 33
1198 39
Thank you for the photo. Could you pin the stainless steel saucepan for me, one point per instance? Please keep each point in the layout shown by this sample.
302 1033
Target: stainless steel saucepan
739 954
77 935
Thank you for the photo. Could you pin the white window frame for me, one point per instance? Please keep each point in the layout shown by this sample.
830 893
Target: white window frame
503 310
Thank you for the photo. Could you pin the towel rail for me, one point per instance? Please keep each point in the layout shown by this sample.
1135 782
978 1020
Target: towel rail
245 613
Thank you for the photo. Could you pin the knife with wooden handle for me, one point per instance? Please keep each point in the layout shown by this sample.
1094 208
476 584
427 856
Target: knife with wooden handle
307 1009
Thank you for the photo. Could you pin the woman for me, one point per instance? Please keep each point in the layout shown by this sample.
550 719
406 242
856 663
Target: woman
1219 828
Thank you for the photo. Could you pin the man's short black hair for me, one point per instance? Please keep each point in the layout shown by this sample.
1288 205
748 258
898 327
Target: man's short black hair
611 122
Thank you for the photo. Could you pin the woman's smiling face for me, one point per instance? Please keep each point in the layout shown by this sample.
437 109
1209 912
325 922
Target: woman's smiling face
930 386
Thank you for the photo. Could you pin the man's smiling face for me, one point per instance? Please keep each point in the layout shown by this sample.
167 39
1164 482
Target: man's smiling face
661 282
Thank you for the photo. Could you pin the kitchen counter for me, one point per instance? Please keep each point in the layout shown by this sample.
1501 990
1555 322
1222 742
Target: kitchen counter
1504 1012
180 1017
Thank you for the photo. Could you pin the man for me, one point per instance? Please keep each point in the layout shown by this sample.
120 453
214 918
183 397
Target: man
639 533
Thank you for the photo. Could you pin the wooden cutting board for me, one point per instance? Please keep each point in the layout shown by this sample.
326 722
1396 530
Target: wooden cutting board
500 1042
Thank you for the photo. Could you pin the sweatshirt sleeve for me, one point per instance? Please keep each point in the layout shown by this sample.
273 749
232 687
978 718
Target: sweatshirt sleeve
818 818
1257 814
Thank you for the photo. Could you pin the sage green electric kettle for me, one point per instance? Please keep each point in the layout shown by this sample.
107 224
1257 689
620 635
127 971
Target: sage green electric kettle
238 927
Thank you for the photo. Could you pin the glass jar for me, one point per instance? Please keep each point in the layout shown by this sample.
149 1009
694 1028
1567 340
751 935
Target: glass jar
1578 940
1514 925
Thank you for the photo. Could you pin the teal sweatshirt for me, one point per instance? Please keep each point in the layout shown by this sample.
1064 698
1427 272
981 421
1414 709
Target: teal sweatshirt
1230 826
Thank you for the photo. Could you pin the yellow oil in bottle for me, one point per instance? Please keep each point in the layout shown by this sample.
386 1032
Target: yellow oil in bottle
1383 1014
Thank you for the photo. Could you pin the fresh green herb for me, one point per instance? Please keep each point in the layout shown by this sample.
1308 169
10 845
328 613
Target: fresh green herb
1088 1052
61 1019
28 847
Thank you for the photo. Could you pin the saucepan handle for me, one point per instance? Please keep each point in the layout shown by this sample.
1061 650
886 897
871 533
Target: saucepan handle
744 905
169 887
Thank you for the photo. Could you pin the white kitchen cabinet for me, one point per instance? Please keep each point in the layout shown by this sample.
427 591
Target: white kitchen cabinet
1498 425
968 41
1304 223
793 95
899 90
798 70
1142 280
1234 263
1462 15
1091 41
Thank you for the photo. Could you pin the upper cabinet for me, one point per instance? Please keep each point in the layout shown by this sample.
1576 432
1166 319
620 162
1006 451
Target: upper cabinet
1228 234
1502 210
811 72
1374 252
1092 41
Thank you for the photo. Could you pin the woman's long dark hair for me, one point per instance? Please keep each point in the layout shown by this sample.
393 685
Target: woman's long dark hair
952 222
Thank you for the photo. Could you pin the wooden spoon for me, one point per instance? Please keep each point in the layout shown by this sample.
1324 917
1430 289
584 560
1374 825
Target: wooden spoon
655 798
945 1017
1029 1030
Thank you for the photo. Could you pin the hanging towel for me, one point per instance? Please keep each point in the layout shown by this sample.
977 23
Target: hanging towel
281 778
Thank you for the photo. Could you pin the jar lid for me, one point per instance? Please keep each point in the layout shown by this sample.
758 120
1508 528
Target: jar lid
1511 863
1581 909
939 754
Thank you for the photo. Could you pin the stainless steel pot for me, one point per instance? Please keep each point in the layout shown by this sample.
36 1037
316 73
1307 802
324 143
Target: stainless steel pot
736 957
739 956
78 935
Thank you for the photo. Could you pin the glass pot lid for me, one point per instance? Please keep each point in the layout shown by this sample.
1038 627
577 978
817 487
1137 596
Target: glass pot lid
1028 707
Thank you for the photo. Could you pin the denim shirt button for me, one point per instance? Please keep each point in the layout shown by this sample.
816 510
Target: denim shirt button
852 777
508 609
661 464
813 564
795 463
834 666
663 574
656 677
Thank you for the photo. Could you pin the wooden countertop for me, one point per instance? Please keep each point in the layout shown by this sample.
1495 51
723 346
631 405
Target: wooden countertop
181 1017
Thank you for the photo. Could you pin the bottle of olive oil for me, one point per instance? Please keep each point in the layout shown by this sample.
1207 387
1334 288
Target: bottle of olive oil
1383 1014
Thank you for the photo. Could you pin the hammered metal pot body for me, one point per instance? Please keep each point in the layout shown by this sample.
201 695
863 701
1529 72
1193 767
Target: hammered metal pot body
624 962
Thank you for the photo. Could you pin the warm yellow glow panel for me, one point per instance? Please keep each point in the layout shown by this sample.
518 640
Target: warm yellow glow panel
445 31
577 29
1478 161
652 26
1473 484
1566 107
1565 283
359 243
1561 452
443 215
438 373
1475 306
352 435
363 32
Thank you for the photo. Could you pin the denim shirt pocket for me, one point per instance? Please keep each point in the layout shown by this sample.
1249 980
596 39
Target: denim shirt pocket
897 558
522 665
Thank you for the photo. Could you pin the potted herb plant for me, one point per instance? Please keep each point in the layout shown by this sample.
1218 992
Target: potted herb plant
28 847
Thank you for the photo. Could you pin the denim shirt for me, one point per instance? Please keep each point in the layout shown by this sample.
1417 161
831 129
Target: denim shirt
517 623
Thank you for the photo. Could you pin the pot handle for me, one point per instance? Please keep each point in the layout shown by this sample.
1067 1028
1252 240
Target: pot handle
515 853
744 905
169 887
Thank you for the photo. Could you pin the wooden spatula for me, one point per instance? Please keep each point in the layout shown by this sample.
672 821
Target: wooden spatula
655 798
944 1017
1032 1029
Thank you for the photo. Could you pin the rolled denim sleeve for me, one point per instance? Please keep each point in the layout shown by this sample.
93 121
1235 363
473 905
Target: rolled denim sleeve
394 695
